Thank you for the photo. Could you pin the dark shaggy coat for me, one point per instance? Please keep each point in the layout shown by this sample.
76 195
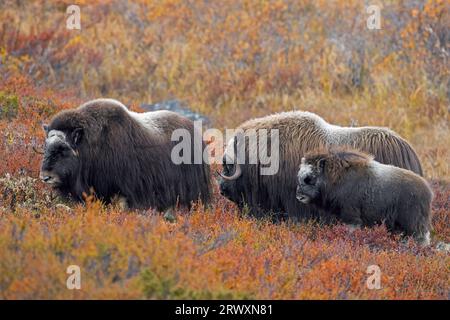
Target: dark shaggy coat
361 191
126 154
300 132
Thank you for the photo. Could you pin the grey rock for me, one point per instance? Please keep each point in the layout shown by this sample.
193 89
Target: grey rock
178 107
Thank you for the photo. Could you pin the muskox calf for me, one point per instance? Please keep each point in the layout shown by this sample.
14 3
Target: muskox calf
104 147
360 191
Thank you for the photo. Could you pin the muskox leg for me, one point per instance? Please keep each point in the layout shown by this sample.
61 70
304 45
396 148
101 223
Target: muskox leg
279 217
423 239
352 227
120 202
352 218
123 203
414 221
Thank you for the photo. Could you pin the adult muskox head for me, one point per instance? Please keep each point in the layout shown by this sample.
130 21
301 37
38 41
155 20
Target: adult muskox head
61 162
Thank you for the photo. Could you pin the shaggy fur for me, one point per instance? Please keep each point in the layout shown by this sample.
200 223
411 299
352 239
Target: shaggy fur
363 192
300 132
119 153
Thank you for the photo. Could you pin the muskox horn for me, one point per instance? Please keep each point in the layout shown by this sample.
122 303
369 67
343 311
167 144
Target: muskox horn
237 173
37 151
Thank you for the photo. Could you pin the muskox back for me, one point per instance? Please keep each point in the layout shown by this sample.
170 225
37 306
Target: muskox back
299 133
386 146
127 154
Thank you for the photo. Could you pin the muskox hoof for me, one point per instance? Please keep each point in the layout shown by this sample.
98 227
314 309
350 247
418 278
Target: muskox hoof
352 227
424 240
122 203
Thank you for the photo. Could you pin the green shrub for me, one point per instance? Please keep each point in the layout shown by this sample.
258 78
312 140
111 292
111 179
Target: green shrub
9 105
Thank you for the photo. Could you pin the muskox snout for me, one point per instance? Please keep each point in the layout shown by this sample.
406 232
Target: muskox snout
301 197
49 177
222 188
226 189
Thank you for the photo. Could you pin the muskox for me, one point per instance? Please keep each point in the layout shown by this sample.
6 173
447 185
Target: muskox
103 147
300 132
362 192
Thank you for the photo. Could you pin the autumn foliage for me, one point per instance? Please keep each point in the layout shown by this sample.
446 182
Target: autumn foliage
230 60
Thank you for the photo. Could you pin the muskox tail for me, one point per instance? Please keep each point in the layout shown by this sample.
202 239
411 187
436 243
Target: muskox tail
389 148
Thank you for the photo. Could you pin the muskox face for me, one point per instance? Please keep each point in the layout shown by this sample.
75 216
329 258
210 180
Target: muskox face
310 181
61 159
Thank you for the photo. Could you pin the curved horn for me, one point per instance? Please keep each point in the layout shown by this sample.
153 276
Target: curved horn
237 167
237 173
37 151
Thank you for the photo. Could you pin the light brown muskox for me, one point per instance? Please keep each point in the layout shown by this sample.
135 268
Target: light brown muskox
300 132
362 192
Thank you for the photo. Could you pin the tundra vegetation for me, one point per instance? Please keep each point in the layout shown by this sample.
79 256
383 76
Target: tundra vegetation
230 61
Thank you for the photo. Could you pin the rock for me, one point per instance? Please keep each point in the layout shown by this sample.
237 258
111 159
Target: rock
178 107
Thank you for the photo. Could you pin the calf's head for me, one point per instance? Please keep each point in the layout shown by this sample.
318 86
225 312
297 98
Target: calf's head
310 180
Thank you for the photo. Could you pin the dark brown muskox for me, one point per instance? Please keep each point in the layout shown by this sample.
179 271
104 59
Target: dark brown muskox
362 192
300 132
103 146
